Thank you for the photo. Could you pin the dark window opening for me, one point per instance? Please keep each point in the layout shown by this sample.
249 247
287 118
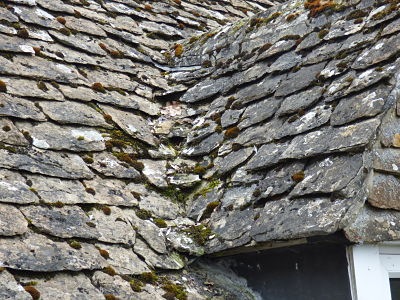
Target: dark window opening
395 288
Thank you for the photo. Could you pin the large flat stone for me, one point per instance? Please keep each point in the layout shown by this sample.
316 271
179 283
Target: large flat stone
19 108
108 165
386 160
12 221
10 289
14 189
9 134
385 191
266 156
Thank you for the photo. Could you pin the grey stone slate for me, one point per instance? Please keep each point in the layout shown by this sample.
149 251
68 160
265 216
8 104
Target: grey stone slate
389 131
238 197
34 252
14 189
259 112
205 146
266 156
259 90
232 160
230 117
79 41
386 160
109 165
155 171
19 108
12 222
299 101
10 289
384 191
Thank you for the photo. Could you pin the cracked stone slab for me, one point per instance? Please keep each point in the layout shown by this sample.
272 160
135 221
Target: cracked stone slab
328 175
65 222
50 136
69 112
385 191
132 124
108 165
47 163
19 108
12 221
35 252
124 261
14 189
10 289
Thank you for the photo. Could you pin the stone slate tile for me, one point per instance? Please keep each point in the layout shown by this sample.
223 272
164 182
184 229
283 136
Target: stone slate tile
285 62
69 112
386 160
390 130
132 124
37 16
35 252
113 228
6 15
279 180
291 219
108 165
11 289
267 155
370 77
227 163
47 163
328 140
300 101
156 172
29 88
37 67
374 225
124 261
232 225
201 130
243 176
329 175
9 134
259 134
79 41
205 146
15 45
66 286
84 26
309 41
184 180
299 80
381 51
14 189
65 222
56 5
385 191
322 53
391 28
339 86
259 112
205 89
167 262
238 197
367 104
51 136
230 117
19 108
343 28
276 48
12 221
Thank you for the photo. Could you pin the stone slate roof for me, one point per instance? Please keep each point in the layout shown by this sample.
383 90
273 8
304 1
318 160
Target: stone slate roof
139 136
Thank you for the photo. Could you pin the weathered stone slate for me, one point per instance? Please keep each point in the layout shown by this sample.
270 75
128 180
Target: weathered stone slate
232 160
65 222
373 225
266 156
124 261
79 41
14 189
259 111
47 163
109 165
156 171
12 222
19 108
329 175
84 26
230 117
260 90
184 180
383 50
36 16
205 146
202 130
290 219
67 286
386 160
204 90
330 140
10 289
238 197
181 242
9 134
15 45
34 252
299 101
389 132
132 124
51 136
385 191
70 112
301 79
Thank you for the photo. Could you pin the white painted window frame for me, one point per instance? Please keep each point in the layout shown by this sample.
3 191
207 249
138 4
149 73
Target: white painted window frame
370 267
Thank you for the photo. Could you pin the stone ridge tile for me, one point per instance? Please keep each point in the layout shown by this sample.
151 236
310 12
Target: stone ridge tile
29 88
301 79
328 175
55 164
50 136
367 104
123 260
19 108
109 165
385 191
12 221
381 51
65 222
35 252
374 225
65 286
70 112
37 67
328 140
14 189
9 134
11 289
290 219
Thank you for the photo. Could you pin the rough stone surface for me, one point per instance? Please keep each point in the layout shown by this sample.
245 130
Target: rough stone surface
10 289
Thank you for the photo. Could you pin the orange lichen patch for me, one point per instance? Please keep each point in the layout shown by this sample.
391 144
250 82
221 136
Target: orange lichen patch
97 86
179 2
148 7
35 294
3 86
104 253
299 176
317 6
396 140
23 33
61 20
110 297
103 46
232 132
110 271
178 50
106 210
291 17
37 50
117 54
